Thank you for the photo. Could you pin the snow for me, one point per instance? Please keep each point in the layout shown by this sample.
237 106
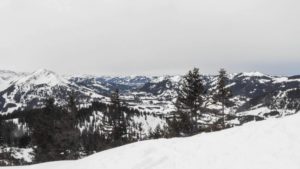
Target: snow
255 74
176 79
256 112
285 79
172 78
158 79
25 154
149 123
230 85
7 77
43 76
264 81
4 84
271 144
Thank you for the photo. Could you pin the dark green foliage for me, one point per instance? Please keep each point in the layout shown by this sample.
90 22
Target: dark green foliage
222 93
56 137
93 142
13 135
190 94
118 119
54 133
272 114
248 118
189 103
117 126
180 125
158 132
294 94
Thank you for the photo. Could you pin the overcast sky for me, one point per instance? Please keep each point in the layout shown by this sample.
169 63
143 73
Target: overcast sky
123 37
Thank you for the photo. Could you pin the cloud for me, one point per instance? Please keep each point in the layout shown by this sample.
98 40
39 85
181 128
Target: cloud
150 36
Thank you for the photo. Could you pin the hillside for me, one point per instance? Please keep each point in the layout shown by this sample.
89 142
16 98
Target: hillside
153 94
258 145
254 96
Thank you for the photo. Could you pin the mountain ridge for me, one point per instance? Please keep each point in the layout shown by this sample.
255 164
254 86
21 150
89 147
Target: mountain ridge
142 92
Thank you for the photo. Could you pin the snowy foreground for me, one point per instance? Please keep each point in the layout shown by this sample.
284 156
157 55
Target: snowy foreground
271 144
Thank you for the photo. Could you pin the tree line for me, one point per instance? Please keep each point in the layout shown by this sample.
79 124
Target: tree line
56 134
190 104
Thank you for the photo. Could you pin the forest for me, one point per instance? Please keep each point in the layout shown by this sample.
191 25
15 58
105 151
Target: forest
56 132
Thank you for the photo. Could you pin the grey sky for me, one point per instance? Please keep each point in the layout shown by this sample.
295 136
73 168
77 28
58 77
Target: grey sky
119 37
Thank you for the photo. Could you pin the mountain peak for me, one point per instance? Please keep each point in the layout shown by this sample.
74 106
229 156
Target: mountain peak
43 70
253 74
6 74
43 76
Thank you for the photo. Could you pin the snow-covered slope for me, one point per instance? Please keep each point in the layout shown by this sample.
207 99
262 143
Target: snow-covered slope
42 76
253 92
7 77
31 90
271 144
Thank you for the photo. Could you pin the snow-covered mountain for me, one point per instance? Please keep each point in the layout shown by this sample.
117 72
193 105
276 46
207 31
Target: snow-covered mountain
7 77
255 97
257 145
250 91
31 90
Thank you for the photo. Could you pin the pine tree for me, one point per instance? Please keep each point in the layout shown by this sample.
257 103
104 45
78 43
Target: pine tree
115 97
72 107
118 119
70 133
43 129
222 93
1 133
55 134
189 102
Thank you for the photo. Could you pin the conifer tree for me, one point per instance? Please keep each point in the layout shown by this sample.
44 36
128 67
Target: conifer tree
1 133
189 102
222 93
72 107
55 134
115 112
118 119
70 132
43 129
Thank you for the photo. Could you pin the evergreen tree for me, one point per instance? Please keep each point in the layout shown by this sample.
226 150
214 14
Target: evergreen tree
116 104
72 107
115 97
43 130
1 133
118 118
70 134
189 102
222 93
55 134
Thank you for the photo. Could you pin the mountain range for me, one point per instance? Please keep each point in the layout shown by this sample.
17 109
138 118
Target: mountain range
254 96
154 94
